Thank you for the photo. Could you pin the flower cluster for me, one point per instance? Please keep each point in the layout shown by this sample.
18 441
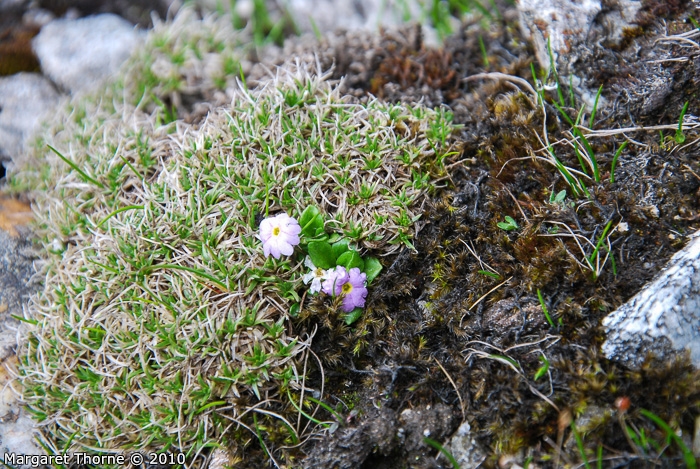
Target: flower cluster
337 269
351 284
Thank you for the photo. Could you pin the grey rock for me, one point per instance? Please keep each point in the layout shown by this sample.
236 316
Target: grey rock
81 54
24 99
17 258
567 24
418 423
465 449
574 29
331 15
18 436
349 447
664 317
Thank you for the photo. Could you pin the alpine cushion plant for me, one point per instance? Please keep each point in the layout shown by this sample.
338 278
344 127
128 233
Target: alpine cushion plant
166 283
279 235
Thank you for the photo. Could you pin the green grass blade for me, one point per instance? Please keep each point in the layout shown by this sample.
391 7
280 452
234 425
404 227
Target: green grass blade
595 106
544 308
600 242
327 407
440 448
688 457
572 99
579 443
614 161
565 115
484 55
680 136
553 70
591 154
316 421
119 210
84 175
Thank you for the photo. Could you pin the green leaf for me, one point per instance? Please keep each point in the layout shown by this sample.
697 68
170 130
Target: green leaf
508 225
372 268
294 310
321 254
353 316
311 222
339 248
541 371
351 259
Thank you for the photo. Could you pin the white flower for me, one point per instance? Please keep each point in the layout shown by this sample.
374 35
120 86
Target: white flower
316 276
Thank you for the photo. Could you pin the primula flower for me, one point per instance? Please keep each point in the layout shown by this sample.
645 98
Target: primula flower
279 235
335 279
316 276
354 290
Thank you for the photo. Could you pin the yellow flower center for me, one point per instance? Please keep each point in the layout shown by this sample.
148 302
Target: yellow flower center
347 288
276 231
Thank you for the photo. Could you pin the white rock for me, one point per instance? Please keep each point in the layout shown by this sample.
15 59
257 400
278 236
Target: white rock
465 449
664 317
24 99
330 15
81 54
18 436
567 24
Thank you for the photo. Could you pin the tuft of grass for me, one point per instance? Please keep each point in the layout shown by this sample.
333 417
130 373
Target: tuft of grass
680 136
688 457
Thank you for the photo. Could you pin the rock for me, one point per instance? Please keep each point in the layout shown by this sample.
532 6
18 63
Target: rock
464 448
664 317
17 432
80 54
365 14
24 99
432 421
568 24
16 269
349 447
18 436
576 31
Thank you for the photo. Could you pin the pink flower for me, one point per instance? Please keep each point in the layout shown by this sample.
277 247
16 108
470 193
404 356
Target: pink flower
279 235
335 279
354 290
